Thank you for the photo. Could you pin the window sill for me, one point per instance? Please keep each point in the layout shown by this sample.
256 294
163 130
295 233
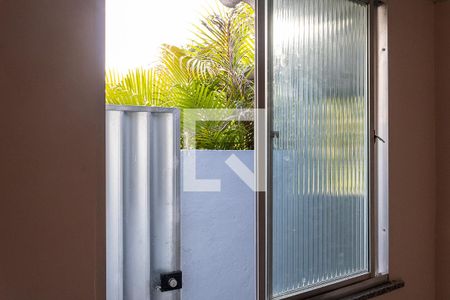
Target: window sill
376 291
362 291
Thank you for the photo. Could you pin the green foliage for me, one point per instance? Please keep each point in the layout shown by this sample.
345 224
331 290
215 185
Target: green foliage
214 71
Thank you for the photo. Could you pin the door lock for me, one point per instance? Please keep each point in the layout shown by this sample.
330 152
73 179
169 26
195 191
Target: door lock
171 281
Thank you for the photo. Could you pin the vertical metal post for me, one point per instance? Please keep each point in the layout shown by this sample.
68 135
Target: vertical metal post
261 149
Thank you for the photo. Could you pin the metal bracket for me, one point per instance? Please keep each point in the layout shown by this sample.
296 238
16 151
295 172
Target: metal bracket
171 281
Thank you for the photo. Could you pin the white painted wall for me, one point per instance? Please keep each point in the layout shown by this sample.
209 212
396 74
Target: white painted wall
218 232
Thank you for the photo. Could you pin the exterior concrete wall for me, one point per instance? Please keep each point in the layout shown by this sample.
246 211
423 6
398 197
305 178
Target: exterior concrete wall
218 232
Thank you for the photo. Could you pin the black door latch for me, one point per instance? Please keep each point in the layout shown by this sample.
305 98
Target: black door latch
171 281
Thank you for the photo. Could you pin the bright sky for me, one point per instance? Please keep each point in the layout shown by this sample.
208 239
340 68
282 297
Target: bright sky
135 29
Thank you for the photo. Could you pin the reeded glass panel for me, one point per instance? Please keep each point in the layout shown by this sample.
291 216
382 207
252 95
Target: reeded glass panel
319 68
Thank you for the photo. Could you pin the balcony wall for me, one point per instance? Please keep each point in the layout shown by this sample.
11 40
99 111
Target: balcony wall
218 231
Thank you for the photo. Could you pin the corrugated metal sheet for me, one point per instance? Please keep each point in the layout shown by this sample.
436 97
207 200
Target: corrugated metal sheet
143 206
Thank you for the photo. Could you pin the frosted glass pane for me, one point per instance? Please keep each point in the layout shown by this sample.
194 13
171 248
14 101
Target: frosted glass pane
319 95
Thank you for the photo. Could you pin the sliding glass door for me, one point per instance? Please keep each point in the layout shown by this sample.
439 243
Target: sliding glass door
319 101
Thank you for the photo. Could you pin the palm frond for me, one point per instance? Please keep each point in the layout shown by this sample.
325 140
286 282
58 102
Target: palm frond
214 71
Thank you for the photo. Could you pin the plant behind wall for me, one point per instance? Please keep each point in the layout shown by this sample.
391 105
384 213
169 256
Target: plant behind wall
214 71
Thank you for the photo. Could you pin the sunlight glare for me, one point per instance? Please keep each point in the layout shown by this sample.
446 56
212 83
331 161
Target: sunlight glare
135 29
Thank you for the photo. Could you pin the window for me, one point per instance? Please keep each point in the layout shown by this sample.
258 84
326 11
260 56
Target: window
319 133
326 200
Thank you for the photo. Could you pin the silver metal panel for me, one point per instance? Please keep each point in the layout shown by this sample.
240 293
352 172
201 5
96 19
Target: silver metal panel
143 208
165 216
114 255
136 206
382 149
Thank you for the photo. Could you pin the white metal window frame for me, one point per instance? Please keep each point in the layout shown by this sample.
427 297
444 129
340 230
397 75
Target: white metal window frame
379 161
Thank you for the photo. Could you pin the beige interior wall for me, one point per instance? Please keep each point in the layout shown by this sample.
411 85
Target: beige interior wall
51 149
442 26
412 148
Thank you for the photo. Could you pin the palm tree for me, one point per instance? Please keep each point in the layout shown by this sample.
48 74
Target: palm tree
215 71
